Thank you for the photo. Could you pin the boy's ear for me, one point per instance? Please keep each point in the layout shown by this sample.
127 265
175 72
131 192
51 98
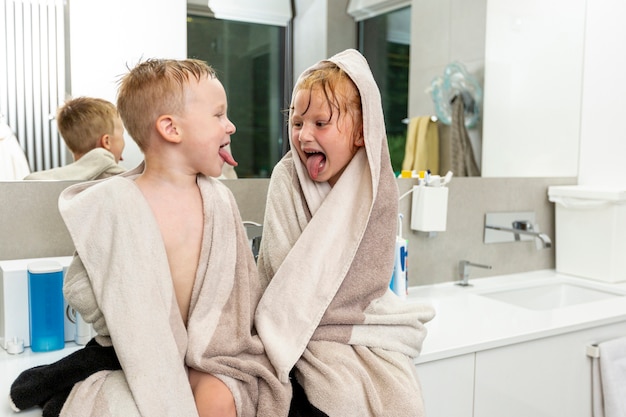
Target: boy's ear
166 126
105 142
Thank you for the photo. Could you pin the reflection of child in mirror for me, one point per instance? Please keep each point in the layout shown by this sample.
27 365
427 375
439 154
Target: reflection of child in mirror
327 255
93 131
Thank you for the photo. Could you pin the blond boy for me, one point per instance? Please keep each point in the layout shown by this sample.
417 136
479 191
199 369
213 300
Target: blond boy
93 132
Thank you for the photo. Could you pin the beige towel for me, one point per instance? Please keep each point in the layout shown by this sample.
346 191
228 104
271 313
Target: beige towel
327 257
457 154
120 282
96 164
421 151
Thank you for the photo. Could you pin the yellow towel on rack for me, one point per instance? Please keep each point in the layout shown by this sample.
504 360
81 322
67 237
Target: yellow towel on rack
421 151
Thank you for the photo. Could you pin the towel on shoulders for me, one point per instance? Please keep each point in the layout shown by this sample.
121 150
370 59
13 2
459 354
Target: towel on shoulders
96 164
120 282
326 259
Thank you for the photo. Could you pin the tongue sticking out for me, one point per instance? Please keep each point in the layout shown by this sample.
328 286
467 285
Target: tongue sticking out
314 163
228 158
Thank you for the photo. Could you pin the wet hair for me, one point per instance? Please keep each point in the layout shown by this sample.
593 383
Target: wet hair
82 121
153 88
340 92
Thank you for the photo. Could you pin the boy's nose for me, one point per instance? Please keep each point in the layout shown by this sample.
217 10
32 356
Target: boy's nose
231 128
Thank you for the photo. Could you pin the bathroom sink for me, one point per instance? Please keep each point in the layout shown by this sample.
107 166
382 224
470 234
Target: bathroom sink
551 295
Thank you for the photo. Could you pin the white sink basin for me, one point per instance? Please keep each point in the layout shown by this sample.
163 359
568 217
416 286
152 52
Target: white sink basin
550 296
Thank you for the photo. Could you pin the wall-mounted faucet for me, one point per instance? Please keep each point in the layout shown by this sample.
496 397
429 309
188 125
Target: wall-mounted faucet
513 227
464 272
524 227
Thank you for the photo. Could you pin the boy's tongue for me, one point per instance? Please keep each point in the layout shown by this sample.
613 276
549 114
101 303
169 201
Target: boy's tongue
314 163
228 158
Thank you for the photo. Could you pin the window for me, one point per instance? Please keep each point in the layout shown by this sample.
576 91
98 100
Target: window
250 60
385 41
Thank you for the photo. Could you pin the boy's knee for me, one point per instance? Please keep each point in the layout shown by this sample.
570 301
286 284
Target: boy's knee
212 396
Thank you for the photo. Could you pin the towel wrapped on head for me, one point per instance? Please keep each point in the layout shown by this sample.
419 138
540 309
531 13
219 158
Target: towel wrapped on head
326 259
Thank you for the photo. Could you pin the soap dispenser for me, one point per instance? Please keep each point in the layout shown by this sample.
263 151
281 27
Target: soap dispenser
46 306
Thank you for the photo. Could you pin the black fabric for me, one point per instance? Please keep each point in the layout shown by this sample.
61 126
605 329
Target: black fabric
300 405
52 407
48 386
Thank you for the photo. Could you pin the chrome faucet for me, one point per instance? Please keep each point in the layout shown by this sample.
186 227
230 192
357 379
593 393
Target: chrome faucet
464 272
524 227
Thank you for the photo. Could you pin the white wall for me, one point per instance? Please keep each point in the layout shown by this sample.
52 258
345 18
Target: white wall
533 81
108 36
603 138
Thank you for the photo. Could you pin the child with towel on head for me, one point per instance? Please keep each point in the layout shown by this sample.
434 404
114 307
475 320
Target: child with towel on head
93 131
327 255
163 267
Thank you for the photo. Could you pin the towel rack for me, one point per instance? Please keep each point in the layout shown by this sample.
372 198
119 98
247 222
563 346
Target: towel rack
406 120
593 351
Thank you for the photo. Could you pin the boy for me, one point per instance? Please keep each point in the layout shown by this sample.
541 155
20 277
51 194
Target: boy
163 268
327 255
92 130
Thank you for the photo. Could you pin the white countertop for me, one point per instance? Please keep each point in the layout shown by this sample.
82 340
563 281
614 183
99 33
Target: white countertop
466 322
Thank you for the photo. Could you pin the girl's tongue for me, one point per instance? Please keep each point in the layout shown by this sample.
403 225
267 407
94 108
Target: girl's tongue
228 158
314 163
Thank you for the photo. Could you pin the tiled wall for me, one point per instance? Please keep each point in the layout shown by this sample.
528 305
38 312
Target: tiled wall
31 226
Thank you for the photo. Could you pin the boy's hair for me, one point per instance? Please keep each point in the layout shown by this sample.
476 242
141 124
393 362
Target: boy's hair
340 91
153 88
82 122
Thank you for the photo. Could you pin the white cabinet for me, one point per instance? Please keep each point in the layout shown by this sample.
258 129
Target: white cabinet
545 377
448 386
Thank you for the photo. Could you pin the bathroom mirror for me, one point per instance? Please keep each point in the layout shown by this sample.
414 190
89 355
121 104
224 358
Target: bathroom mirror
532 70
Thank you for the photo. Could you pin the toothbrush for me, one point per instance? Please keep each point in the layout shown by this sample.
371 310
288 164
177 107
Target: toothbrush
398 282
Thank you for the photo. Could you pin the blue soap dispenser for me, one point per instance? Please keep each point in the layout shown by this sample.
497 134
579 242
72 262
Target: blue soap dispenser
46 306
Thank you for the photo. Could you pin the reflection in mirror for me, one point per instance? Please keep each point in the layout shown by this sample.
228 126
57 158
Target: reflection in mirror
32 84
385 41
248 58
388 42
530 69
444 33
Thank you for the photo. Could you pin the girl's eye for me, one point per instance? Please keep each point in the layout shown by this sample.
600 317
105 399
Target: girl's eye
296 124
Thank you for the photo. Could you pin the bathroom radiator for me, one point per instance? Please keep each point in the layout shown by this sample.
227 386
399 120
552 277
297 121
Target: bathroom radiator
33 76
